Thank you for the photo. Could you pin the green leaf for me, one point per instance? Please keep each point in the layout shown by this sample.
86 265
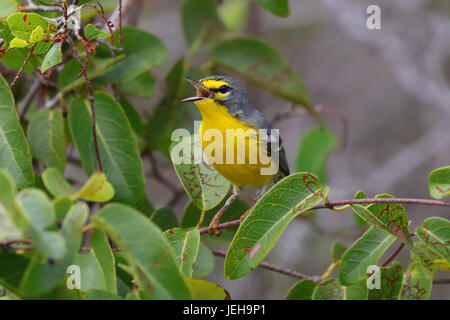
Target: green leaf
69 73
203 184
329 289
233 14
8 228
207 290
91 32
364 252
27 26
133 116
358 291
205 262
37 35
391 283
165 218
104 256
97 189
95 294
42 276
337 251
15 156
53 57
119 154
56 184
314 150
360 222
277 7
417 282
22 24
12 268
429 259
46 138
91 274
264 225
142 50
18 43
389 217
186 246
98 265
156 270
40 214
196 17
14 59
62 206
8 7
439 182
142 86
435 233
263 65
302 290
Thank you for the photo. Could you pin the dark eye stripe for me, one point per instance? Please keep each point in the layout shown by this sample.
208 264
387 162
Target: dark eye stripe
223 89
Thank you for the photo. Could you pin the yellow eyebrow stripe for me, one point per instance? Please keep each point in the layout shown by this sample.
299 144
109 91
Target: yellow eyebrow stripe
214 84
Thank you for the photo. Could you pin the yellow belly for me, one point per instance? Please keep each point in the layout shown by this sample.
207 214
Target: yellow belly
235 161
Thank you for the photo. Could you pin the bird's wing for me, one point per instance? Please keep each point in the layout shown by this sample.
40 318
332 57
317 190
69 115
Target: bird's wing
257 120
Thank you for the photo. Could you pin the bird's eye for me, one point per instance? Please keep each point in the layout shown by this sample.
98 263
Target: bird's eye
224 89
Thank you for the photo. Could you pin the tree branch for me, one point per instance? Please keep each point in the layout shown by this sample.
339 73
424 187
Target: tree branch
29 98
12 244
19 73
441 281
332 204
276 268
30 6
396 252
90 91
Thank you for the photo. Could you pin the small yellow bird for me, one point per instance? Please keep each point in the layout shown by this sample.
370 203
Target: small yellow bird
224 106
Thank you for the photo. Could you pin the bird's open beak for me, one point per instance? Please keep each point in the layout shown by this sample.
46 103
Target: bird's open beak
202 92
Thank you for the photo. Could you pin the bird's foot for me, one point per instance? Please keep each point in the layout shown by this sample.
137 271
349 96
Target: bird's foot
246 214
213 228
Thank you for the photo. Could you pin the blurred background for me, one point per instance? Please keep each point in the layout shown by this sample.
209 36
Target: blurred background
391 87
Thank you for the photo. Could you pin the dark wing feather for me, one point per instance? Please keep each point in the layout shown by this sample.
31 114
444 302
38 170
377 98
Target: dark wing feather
257 119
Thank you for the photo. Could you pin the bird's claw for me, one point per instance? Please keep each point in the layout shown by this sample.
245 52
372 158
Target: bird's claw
213 229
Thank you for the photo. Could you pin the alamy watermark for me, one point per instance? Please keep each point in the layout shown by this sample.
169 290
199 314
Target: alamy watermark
374 19
374 277
74 280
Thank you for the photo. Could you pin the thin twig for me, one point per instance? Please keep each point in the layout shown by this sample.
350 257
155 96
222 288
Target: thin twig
90 95
29 98
120 12
441 281
12 244
32 7
120 22
425 202
19 73
276 268
222 226
108 23
393 255
332 204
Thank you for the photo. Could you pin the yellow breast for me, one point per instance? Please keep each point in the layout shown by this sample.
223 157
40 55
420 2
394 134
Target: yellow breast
232 146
